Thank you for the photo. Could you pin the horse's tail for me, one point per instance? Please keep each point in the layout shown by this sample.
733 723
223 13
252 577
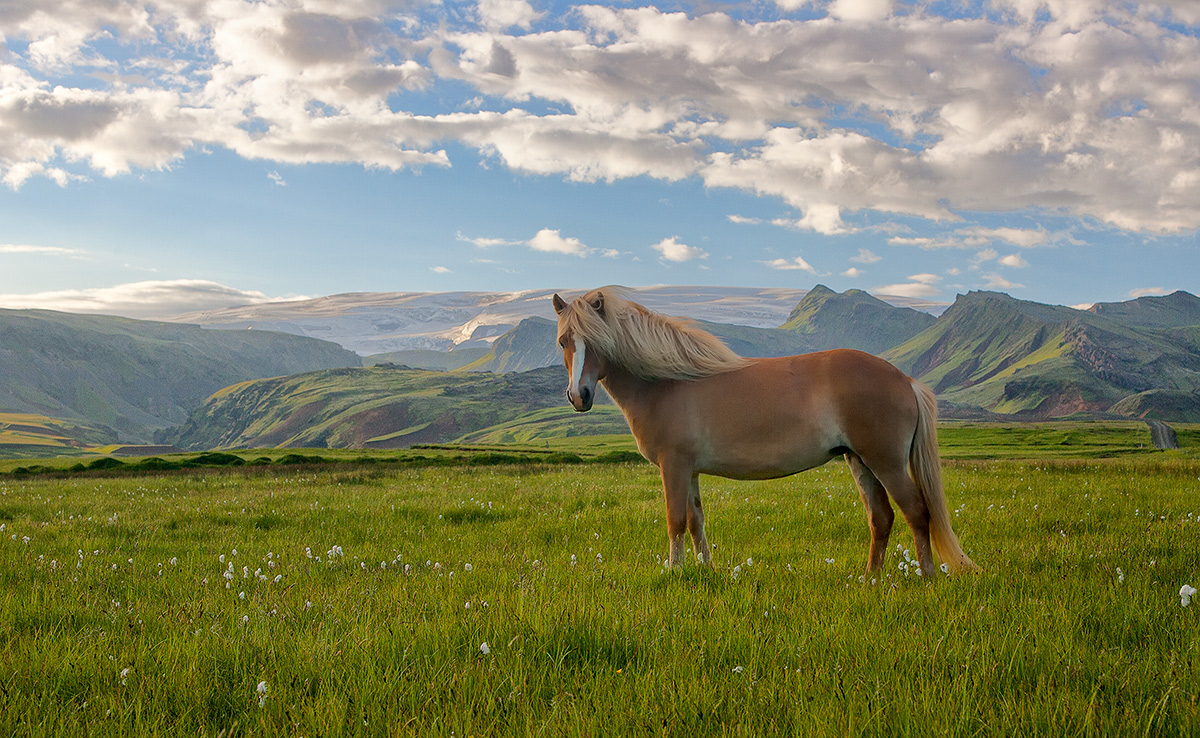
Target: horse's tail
925 466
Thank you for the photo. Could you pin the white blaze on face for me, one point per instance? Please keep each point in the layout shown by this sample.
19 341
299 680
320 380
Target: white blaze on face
577 365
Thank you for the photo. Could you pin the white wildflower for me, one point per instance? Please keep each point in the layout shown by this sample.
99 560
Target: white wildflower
1186 592
485 648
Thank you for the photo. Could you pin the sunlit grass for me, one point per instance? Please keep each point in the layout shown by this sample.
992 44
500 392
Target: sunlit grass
358 601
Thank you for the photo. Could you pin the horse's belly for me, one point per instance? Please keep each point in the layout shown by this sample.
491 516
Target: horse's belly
764 460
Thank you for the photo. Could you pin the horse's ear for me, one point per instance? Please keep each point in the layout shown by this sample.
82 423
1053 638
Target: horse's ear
598 303
559 305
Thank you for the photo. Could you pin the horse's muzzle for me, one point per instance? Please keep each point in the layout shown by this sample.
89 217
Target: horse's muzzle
583 401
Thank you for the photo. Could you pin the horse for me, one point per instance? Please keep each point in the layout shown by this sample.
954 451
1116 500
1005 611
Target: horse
696 407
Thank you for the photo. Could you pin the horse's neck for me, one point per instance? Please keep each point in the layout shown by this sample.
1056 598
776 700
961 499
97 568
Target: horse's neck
629 391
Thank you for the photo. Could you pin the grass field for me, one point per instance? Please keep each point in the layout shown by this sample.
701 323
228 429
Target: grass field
531 600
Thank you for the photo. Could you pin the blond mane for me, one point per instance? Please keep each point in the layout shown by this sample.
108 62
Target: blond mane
643 342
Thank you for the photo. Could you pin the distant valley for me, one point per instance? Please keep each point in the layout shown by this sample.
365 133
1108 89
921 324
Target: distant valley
386 322
80 381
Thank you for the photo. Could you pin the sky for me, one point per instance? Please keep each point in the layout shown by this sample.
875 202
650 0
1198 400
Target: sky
191 154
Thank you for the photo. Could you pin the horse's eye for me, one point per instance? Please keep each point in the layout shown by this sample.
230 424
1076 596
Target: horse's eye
562 342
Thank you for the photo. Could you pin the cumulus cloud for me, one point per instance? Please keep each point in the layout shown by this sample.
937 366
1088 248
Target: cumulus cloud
551 241
1148 292
997 282
672 249
865 256
918 285
148 299
1085 109
852 272
547 240
797 263
1013 260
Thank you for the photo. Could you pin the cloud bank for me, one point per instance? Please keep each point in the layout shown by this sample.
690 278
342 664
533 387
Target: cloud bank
146 300
1079 107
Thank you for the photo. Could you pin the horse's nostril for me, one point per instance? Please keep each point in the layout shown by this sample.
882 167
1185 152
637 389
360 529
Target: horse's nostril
585 394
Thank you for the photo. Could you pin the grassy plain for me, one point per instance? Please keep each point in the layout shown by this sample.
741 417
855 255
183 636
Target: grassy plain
361 596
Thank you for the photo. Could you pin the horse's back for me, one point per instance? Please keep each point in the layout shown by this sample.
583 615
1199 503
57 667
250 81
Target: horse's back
778 416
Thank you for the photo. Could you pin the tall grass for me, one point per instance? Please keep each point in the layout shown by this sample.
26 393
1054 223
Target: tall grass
361 600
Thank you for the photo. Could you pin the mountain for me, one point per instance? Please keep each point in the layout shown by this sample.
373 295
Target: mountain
528 346
376 407
853 319
134 377
532 344
383 322
1175 310
442 361
1031 361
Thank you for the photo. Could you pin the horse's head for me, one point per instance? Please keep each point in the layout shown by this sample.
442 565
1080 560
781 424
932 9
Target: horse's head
585 365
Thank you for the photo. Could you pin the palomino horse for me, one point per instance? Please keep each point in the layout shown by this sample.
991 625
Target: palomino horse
695 407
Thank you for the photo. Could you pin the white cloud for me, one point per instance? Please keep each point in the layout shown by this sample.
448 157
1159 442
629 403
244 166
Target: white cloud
797 263
925 278
485 242
1149 292
551 241
501 14
440 270
21 248
860 10
672 249
908 289
744 220
865 257
997 282
1079 108
852 272
276 178
1013 260
149 299
1023 237
984 255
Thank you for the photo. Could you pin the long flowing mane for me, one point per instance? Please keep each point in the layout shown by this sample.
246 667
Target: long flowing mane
643 342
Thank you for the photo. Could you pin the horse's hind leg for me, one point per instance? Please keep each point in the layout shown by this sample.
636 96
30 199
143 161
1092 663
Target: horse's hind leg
879 510
912 506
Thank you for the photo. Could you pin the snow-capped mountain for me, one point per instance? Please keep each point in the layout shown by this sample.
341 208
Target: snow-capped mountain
379 322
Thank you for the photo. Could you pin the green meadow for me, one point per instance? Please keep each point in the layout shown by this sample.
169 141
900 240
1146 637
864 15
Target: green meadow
514 597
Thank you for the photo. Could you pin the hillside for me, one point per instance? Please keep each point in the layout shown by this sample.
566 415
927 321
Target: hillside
383 322
1016 358
128 378
1176 310
442 361
853 319
377 407
530 345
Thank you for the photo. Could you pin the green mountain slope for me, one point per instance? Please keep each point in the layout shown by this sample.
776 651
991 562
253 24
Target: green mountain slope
377 407
443 361
136 377
1175 310
1030 360
853 319
530 345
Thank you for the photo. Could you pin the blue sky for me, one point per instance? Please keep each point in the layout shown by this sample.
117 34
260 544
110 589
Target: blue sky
200 154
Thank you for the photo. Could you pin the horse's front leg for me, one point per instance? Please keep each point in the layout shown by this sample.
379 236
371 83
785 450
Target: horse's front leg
681 491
